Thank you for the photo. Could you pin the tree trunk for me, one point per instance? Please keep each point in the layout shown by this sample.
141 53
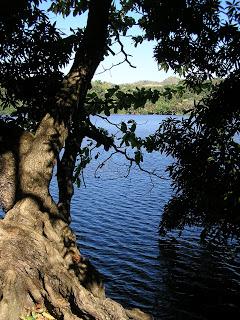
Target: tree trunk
87 58
40 264
65 170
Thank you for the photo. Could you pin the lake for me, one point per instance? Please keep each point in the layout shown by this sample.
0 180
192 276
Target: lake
116 221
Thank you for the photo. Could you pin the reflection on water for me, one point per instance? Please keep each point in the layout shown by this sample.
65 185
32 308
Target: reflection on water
116 221
199 282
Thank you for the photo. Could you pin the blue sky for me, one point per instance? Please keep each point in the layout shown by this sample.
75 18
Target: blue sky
142 56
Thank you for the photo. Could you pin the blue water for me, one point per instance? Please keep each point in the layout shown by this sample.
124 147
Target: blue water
116 221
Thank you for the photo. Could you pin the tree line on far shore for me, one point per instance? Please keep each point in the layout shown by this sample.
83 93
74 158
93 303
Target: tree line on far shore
174 96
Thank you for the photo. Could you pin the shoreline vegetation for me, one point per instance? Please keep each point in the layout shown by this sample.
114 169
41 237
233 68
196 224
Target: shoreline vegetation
177 98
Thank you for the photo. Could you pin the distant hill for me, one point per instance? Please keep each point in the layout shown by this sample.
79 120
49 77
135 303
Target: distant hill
148 83
170 80
145 83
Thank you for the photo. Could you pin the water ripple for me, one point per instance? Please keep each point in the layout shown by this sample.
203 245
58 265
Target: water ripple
116 222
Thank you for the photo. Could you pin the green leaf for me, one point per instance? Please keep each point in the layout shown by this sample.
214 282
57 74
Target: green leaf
138 157
78 182
133 127
107 112
123 127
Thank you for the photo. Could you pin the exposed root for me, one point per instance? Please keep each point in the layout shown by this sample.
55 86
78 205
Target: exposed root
40 264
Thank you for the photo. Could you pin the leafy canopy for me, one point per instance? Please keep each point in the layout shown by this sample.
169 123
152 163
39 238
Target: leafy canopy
205 145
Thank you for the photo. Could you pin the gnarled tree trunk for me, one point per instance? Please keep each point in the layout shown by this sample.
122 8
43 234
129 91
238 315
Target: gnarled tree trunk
40 264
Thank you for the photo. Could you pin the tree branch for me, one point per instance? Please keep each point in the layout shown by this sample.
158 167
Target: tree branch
87 58
122 47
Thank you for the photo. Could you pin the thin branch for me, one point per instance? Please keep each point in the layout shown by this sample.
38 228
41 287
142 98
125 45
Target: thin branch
112 66
83 179
111 51
122 47
117 125
124 52
102 164
132 160
129 170
98 136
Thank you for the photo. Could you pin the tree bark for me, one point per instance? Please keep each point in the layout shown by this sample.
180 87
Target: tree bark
88 56
65 170
40 264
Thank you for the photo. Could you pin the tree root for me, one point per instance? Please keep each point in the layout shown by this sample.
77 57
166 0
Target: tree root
40 265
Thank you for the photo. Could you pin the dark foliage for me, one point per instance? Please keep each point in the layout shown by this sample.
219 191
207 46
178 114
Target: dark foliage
205 171
203 41
32 53
198 39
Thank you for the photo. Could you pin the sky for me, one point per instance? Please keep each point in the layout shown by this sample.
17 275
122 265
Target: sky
142 59
142 56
